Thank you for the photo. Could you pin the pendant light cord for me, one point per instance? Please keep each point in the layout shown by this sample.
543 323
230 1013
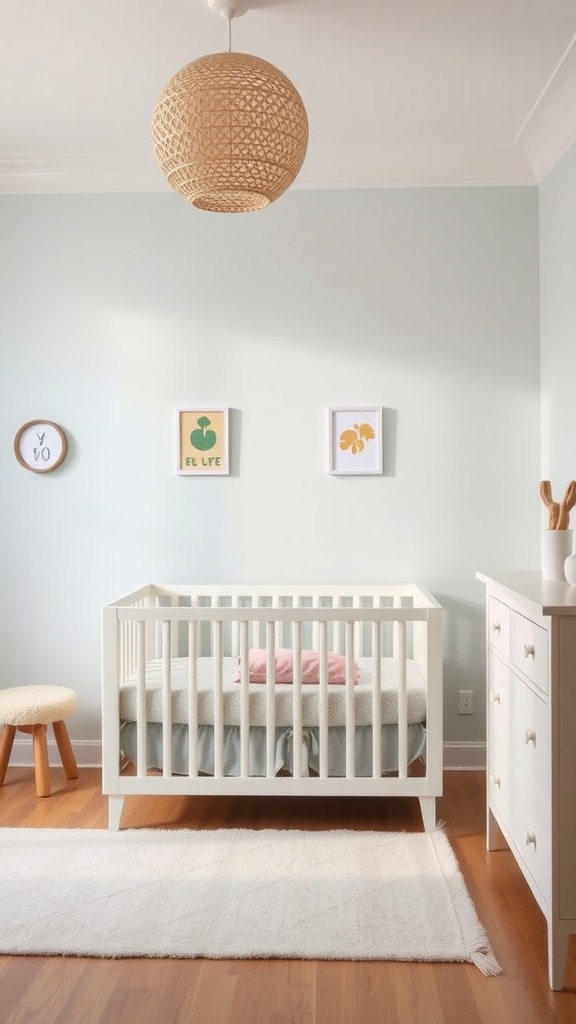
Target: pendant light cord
229 33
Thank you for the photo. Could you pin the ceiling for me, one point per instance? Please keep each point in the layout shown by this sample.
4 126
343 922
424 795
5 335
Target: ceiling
398 92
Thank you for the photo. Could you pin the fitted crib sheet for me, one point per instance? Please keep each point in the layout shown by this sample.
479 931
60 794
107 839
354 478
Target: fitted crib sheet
416 695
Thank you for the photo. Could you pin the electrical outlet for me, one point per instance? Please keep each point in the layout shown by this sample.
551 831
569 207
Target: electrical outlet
465 702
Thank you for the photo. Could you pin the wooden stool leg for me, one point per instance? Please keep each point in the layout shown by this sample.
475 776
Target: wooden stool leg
41 765
6 741
65 748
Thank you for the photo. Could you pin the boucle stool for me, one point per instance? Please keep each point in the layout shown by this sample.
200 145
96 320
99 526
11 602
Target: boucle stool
31 709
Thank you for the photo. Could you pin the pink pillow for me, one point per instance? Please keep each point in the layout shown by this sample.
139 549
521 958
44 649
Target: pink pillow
284 668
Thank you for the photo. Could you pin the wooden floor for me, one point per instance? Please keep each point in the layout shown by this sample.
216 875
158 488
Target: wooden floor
78 990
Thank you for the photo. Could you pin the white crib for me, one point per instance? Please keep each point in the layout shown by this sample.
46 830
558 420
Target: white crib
172 705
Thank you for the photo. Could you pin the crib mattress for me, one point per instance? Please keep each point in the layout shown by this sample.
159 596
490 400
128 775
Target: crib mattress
416 691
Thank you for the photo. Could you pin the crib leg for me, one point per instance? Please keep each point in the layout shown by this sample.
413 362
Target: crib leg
428 809
115 805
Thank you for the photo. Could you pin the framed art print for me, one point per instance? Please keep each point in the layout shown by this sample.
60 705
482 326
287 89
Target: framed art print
203 448
40 445
355 440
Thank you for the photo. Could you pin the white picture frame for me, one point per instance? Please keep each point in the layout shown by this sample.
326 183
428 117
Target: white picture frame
209 453
355 440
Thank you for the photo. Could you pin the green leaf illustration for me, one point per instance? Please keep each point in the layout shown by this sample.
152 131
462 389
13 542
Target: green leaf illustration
203 439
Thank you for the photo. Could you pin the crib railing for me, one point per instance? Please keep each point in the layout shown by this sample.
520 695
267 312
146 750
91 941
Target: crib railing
164 623
163 598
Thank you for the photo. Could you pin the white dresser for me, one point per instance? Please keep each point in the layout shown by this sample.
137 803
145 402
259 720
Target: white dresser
531 741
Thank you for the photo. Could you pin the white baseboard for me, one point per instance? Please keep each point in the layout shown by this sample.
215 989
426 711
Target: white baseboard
88 753
464 756
457 756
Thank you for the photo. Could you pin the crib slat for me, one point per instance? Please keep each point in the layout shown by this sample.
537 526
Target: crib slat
141 703
323 715
376 702
329 603
256 625
132 646
174 603
420 634
128 648
149 602
270 701
244 703
315 633
218 703
123 649
235 630
350 705
167 699
193 698
344 603
278 638
402 700
358 628
158 632
297 701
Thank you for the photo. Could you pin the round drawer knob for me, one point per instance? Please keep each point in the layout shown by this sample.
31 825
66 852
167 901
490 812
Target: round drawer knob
529 650
495 779
496 627
530 839
530 736
495 698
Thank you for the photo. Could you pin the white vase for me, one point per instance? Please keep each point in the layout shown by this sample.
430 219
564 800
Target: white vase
570 570
555 548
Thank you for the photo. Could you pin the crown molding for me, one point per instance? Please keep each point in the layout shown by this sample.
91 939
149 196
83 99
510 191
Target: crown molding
550 127
412 167
34 174
325 167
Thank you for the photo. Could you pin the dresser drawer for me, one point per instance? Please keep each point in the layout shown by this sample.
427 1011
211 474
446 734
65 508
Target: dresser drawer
499 781
531 832
499 695
530 650
520 719
524 813
498 626
529 736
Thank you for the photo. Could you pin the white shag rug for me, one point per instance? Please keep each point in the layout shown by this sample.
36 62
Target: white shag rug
237 893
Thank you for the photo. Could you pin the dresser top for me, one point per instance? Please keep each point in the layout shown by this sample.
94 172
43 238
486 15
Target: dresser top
547 597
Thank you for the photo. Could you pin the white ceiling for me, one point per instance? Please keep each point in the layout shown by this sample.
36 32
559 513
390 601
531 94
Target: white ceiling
398 92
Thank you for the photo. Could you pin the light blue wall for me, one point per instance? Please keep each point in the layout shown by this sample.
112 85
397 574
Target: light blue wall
558 323
118 309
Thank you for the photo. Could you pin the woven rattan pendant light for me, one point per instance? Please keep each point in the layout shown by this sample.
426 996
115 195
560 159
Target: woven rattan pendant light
230 130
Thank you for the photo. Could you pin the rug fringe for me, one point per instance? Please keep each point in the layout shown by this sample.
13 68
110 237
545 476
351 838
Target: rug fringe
486 962
481 955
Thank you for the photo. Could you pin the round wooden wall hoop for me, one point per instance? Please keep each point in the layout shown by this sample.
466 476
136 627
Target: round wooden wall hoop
40 446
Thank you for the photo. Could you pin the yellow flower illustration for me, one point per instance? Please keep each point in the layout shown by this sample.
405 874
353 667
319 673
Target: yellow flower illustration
354 439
